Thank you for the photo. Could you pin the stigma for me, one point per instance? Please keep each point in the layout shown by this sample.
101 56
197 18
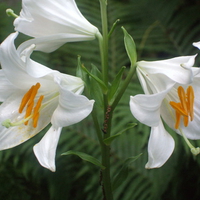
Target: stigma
30 106
185 108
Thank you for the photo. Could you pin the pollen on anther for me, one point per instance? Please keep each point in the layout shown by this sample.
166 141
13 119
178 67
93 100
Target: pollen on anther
36 113
28 101
25 99
184 108
190 96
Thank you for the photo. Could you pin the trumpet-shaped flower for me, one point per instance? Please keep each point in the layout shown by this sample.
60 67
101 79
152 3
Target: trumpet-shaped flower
53 23
33 96
171 89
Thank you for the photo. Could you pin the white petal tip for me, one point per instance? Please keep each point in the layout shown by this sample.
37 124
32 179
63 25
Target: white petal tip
43 159
196 44
150 166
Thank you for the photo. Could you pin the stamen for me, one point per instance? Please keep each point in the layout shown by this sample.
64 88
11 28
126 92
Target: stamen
185 107
178 108
25 99
31 101
36 111
178 119
186 121
35 119
28 100
32 112
29 111
182 97
190 96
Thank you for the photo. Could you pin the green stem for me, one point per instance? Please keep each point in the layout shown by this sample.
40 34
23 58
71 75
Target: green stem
103 5
97 127
103 41
106 159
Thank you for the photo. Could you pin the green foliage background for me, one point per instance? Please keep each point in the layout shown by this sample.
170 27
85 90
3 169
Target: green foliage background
161 29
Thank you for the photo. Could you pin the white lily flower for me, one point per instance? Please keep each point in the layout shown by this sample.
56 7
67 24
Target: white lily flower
33 96
196 44
53 23
171 87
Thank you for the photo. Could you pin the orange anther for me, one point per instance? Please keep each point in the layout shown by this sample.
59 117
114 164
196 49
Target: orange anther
178 119
28 111
185 107
35 119
25 99
182 97
38 105
36 111
28 101
190 96
178 108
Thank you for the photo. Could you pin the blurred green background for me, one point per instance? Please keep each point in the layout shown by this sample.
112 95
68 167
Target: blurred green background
161 29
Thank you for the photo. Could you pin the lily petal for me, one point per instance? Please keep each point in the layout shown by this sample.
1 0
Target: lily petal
11 62
50 43
160 147
15 135
146 108
72 109
152 83
33 68
54 23
45 150
177 69
6 88
196 44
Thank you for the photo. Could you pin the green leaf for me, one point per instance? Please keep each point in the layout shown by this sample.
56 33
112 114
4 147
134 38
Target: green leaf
95 71
113 28
108 140
115 84
85 157
95 89
130 47
81 73
97 79
123 173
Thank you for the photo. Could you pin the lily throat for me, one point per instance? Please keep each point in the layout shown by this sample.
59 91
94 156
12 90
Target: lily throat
31 107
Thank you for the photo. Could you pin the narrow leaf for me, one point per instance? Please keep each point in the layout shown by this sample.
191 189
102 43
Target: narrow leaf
85 157
108 140
98 80
115 84
123 173
81 73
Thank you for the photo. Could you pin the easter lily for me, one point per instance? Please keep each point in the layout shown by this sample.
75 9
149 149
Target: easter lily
171 89
34 96
53 23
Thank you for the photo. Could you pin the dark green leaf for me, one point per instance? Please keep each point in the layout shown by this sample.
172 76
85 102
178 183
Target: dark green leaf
85 157
123 173
115 84
108 140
